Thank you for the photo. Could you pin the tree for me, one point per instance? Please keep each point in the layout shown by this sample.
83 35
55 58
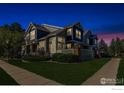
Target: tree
103 48
118 46
122 42
16 27
113 47
122 45
11 38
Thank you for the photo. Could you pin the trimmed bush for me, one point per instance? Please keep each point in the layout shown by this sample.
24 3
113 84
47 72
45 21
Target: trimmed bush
36 58
68 58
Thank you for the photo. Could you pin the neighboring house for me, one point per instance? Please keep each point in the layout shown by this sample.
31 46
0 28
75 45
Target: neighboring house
49 39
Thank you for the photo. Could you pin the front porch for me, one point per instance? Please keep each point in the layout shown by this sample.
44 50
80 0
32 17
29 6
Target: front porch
30 49
84 54
83 51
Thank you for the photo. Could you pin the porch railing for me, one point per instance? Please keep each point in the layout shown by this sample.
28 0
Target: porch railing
84 53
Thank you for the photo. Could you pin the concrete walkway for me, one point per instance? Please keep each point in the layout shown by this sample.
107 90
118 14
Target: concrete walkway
106 75
24 77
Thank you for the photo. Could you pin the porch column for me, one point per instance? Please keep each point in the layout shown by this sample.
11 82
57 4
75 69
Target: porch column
30 49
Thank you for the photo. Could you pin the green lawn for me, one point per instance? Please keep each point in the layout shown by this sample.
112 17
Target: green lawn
5 79
120 75
69 74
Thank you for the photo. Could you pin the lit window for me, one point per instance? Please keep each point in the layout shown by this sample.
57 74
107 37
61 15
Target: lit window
69 31
41 44
32 35
68 45
78 34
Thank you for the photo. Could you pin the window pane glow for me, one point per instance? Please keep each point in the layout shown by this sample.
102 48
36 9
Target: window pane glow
78 34
41 44
32 35
69 31
69 45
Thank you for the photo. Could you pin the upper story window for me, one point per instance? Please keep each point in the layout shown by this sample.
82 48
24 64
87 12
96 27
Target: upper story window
69 31
78 34
32 35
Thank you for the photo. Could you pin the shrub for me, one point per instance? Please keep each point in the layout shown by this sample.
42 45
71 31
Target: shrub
36 58
61 57
55 56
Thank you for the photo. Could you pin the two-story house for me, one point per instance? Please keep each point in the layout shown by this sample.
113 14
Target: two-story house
53 39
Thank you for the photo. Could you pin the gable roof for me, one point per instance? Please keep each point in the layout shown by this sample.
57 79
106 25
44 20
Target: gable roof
75 24
40 27
94 36
52 28
86 32
91 34
52 34
37 26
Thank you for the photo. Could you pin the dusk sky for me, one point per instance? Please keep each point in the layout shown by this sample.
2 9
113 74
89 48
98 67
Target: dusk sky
105 20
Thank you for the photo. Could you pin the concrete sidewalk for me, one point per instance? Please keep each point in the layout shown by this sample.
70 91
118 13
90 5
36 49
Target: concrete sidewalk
24 77
106 75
